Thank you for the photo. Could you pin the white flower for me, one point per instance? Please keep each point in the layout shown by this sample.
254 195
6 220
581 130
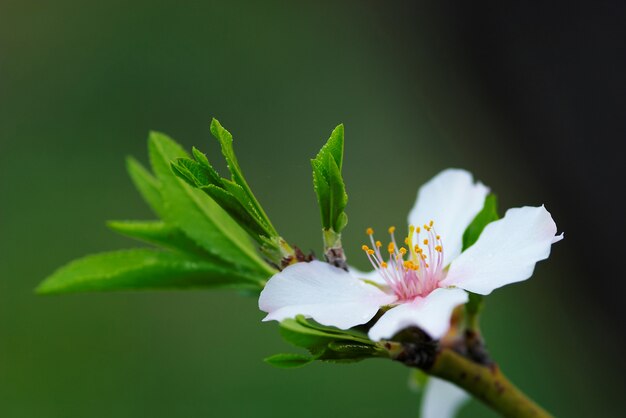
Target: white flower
423 282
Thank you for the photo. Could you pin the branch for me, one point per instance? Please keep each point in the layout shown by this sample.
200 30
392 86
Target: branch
486 383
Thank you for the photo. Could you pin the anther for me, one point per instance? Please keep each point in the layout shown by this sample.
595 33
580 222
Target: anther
425 242
369 231
392 229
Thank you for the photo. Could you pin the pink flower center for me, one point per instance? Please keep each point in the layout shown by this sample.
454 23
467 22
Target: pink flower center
411 272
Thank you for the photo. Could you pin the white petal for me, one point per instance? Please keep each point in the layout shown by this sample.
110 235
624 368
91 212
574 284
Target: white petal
442 399
452 200
431 314
506 251
323 292
371 276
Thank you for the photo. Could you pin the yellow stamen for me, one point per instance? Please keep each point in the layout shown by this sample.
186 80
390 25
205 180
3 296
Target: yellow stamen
438 237
438 248
392 229
369 231
403 251
365 248
383 265
391 248
425 242
370 252
378 244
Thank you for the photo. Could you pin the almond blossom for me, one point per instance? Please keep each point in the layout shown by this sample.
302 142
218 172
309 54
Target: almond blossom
419 282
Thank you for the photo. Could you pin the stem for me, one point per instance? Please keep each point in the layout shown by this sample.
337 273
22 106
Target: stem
486 383
333 251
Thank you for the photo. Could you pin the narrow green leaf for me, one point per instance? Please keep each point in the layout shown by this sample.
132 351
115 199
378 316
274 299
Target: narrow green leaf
353 334
191 171
197 215
488 214
146 184
226 143
329 343
340 351
305 336
204 161
328 182
237 191
333 148
160 234
338 197
229 203
322 191
142 269
289 361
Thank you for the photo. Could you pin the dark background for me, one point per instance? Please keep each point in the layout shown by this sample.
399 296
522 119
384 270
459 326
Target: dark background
529 97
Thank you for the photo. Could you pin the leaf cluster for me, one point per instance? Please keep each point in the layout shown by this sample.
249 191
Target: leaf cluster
323 343
233 195
194 244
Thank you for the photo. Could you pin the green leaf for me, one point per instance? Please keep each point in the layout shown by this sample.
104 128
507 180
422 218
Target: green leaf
352 334
339 351
229 203
146 184
199 216
488 214
338 197
192 172
329 343
328 182
306 336
333 148
204 161
289 361
322 191
143 269
226 142
160 234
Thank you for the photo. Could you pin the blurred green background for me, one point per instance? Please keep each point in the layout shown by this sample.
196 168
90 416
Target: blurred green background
81 84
